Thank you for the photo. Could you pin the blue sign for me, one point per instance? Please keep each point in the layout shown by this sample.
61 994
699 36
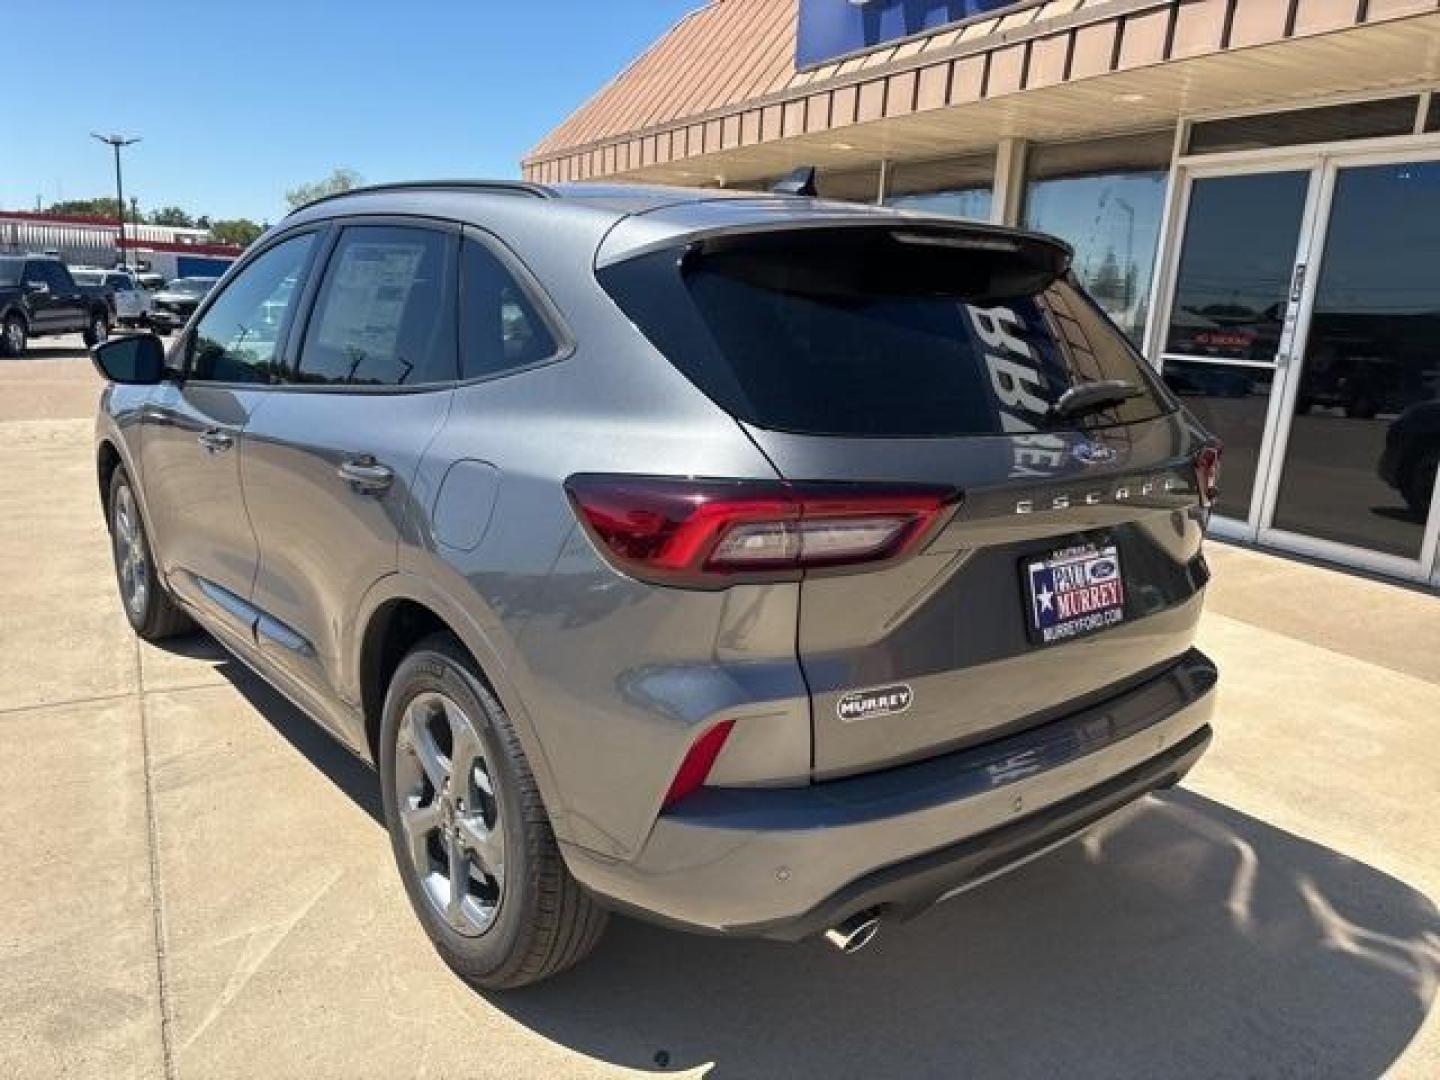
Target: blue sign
831 28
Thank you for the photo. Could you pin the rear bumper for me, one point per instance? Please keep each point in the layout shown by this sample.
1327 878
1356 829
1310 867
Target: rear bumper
787 862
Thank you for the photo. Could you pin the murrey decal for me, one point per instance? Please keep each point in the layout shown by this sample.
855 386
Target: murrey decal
882 701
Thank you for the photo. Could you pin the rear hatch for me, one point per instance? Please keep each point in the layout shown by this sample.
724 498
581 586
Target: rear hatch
897 351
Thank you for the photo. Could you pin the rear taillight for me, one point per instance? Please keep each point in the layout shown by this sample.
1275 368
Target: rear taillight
709 532
1207 473
698 762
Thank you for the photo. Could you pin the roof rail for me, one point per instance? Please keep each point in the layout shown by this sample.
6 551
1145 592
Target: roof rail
492 187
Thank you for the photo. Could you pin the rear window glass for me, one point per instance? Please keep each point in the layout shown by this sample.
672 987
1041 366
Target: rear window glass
856 332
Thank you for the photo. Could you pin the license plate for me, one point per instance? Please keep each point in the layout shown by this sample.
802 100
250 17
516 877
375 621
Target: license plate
1074 591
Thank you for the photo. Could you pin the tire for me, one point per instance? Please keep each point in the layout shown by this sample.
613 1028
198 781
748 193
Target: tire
97 331
152 612
1417 482
13 335
509 928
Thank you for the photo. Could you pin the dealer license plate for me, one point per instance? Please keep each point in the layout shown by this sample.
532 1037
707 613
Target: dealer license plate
1075 591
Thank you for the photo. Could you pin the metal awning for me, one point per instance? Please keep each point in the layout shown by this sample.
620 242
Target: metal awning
719 99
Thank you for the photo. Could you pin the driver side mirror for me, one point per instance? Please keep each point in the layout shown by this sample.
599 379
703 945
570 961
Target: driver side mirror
137 360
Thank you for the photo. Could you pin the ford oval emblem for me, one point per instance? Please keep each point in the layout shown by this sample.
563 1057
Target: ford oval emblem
1092 453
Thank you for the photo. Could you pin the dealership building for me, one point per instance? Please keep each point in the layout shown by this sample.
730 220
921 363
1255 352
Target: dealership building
88 240
1251 188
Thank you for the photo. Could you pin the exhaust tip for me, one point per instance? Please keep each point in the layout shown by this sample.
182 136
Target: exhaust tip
854 933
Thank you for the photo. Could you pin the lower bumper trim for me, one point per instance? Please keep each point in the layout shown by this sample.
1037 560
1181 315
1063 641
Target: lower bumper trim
906 889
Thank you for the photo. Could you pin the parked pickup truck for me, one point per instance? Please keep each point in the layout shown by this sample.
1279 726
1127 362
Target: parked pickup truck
38 297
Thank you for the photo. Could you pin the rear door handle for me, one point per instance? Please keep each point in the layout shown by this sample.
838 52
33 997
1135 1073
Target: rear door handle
215 441
364 473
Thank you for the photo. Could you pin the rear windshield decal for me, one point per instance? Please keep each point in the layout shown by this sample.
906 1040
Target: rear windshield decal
881 701
1016 382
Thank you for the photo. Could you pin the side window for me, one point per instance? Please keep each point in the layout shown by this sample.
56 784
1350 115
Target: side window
238 340
500 330
385 312
44 272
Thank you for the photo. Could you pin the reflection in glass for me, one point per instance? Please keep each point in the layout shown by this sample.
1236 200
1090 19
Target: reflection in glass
957 187
1327 123
973 204
1231 400
1112 219
1360 462
852 185
1236 266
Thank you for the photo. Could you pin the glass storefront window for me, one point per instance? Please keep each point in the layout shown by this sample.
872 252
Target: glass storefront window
1105 198
1364 443
1327 123
852 185
959 187
1235 266
972 204
1236 260
1432 119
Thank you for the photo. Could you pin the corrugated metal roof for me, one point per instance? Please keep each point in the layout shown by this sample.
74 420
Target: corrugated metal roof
692 69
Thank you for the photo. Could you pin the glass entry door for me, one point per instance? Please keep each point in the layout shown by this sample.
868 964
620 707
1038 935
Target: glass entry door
1356 468
1232 318
1303 329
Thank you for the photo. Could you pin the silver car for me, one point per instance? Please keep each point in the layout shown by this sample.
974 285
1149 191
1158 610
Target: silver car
751 563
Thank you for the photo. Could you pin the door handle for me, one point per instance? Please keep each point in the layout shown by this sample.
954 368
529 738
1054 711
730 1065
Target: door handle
365 474
215 441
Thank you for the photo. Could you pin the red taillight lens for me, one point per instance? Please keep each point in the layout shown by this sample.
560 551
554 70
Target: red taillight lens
1207 473
706 532
698 762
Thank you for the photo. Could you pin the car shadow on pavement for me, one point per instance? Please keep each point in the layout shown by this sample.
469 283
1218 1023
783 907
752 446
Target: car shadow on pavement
1182 938
347 772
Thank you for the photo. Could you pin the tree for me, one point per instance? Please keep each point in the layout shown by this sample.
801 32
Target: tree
101 207
338 181
240 231
172 216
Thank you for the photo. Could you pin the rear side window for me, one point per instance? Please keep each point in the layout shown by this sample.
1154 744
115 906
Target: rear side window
44 272
500 329
863 332
385 312
238 337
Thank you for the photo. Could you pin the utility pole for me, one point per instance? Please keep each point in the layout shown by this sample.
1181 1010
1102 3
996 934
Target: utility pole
115 142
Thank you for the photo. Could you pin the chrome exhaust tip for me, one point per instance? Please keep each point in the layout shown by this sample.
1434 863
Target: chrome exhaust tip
854 933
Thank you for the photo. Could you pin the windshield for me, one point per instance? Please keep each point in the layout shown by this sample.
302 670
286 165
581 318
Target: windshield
860 332
87 277
10 271
191 286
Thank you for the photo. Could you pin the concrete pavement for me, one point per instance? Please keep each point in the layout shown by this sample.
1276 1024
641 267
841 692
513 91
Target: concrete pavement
196 883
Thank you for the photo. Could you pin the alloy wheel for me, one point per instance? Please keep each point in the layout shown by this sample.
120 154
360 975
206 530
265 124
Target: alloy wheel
14 337
99 331
130 558
445 790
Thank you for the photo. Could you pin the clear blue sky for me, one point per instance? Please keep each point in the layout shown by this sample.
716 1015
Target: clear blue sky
236 101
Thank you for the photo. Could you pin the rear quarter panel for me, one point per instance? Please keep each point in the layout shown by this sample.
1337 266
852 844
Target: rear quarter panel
614 676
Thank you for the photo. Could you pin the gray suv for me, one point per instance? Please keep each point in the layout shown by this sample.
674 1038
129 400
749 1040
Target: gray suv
755 564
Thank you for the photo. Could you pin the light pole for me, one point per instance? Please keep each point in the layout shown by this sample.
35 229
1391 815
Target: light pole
115 142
